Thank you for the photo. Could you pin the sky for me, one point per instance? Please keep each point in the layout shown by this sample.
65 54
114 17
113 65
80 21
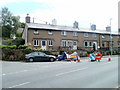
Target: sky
85 12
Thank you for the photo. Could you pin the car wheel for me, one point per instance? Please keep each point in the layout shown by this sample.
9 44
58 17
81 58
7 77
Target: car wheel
31 59
51 59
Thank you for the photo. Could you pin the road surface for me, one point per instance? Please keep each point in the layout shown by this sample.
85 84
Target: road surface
61 74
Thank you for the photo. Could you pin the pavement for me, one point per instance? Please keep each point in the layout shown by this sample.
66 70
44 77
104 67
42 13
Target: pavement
61 74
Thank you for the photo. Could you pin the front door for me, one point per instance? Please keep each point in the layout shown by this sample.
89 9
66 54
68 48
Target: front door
43 44
74 45
96 47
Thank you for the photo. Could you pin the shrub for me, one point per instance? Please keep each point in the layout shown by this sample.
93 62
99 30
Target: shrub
19 41
4 46
47 52
9 46
12 46
27 50
22 46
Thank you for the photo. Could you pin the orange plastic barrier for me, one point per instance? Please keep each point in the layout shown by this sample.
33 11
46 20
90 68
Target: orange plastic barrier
98 56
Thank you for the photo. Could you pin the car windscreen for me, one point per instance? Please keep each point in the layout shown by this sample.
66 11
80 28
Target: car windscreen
35 53
42 54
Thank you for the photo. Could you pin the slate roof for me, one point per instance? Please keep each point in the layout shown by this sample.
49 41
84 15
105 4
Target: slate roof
66 28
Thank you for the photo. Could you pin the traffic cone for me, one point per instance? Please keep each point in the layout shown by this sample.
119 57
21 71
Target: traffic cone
78 59
68 57
109 58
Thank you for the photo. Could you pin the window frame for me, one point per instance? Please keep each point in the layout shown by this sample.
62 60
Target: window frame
74 43
70 42
50 43
103 37
91 43
64 43
64 33
94 35
50 32
75 34
36 41
86 35
36 31
87 44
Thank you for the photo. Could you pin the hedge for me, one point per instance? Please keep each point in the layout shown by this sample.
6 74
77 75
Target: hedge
14 53
11 54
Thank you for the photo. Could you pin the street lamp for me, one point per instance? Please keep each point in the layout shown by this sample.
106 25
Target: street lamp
110 36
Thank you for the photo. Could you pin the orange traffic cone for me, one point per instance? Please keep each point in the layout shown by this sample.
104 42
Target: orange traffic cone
109 58
78 59
68 57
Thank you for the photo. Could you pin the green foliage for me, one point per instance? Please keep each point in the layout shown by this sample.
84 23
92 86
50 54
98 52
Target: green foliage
6 31
9 46
15 25
12 46
22 46
22 25
19 41
27 50
4 46
6 17
47 52
18 34
10 23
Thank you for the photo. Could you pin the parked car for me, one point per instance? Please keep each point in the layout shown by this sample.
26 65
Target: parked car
39 56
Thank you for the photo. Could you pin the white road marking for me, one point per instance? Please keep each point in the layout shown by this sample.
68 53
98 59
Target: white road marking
19 85
3 74
14 72
71 71
17 72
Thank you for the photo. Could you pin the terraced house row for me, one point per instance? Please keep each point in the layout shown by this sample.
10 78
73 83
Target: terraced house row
54 37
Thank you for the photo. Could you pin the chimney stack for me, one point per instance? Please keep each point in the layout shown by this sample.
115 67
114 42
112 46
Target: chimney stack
27 19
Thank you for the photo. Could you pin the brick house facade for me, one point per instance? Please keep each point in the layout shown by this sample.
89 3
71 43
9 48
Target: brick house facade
53 37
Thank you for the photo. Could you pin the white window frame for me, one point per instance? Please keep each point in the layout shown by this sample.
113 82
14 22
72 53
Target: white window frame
75 33
87 44
70 43
50 43
50 32
85 34
94 35
36 32
103 36
64 33
64 43
37 42
91 44
74 42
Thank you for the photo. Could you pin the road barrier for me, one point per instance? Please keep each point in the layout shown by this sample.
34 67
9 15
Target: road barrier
95 56
109 58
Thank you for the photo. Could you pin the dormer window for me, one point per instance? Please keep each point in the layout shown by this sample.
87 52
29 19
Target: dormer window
64 33
94 35
36 32
75 34
50 32
85 34
103 36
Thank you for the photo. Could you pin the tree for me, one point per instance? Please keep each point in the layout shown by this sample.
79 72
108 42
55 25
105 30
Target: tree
6 17
10 23
6 22
22 25
15 24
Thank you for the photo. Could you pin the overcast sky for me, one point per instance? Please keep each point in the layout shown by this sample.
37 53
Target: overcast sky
66 12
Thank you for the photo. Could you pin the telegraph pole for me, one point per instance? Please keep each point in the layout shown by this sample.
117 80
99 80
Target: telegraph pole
110 37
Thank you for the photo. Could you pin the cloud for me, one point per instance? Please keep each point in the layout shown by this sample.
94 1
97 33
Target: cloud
84 11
